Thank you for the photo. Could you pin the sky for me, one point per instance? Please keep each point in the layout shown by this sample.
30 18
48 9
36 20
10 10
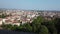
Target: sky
31 4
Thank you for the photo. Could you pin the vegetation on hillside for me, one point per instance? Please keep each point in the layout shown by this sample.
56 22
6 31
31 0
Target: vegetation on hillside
39 26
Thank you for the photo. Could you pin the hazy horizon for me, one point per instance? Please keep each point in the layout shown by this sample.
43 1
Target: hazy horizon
31 4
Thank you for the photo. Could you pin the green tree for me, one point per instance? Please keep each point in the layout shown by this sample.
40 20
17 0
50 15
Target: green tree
43 30
14 27
37 23
28 27
51 26
57 24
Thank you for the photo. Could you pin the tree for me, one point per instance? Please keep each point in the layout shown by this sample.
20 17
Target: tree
43 30
15 28
57 24
28 27
37 23
6 26
51 26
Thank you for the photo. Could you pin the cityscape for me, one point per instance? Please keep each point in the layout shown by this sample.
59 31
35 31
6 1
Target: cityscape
29 16
15 17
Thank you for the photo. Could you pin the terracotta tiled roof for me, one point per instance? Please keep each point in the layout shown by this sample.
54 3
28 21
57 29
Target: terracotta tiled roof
8 21
0 19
